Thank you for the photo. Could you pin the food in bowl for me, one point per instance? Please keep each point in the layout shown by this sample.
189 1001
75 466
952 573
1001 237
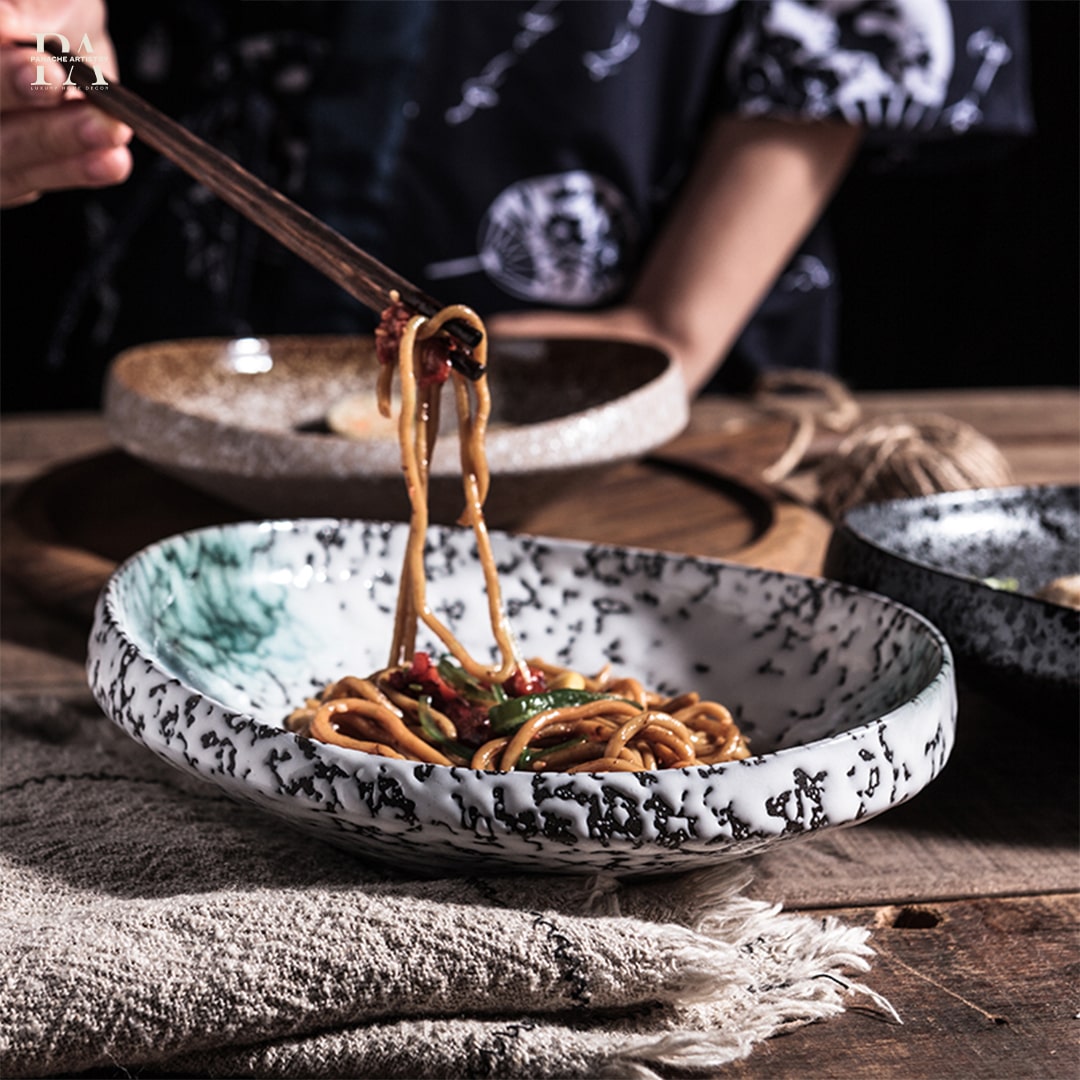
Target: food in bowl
357 416
1063 590
553 719
204 642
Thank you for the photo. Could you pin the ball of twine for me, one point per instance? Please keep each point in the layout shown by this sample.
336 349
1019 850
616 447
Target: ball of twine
897 457
889 457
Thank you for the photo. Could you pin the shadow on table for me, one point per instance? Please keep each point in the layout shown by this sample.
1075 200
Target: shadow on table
1012 776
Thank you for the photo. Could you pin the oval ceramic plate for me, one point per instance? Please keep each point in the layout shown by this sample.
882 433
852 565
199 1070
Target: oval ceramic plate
204 642
972 562
247 420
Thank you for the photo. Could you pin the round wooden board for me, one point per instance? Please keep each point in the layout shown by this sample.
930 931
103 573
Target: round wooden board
655 504
67 530
691 504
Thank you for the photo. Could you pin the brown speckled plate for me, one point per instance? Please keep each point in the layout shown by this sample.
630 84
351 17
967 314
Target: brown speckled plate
246 421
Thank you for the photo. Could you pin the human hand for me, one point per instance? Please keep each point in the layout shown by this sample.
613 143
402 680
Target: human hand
51 137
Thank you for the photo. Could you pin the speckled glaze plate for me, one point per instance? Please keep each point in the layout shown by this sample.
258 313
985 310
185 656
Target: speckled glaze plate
938 554
246 420
204 642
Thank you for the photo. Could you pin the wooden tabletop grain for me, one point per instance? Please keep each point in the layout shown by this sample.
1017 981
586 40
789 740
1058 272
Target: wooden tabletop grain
972 888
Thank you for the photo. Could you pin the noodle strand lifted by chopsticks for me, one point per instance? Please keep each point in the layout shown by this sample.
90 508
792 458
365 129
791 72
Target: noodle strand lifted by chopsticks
417 425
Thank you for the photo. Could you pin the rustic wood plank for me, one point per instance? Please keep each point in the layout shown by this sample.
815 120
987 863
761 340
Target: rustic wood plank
985 989
1005 415
33 442
1032 465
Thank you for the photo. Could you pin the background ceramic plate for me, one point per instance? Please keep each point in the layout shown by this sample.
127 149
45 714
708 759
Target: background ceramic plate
936 553
246 421
204 642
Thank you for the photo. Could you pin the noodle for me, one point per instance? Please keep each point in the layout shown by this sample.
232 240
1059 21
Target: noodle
518 715
417 425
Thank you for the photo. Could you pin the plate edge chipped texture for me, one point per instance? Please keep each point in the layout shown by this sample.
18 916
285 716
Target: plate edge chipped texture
433 818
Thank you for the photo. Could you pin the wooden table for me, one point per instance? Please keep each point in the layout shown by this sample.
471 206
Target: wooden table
971 888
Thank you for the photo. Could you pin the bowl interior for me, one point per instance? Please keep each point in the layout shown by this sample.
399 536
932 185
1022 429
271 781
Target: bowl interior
258 616
1027 535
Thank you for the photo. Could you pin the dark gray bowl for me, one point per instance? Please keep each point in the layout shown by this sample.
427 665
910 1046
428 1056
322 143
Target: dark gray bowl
936 554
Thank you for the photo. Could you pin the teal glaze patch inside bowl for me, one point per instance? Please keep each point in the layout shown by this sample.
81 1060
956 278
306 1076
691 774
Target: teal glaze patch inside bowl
224 611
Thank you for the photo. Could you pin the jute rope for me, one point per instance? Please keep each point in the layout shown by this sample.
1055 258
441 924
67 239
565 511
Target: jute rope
821 400
890 457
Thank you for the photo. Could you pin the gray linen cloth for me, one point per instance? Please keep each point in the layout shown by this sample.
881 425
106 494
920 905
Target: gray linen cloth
148 922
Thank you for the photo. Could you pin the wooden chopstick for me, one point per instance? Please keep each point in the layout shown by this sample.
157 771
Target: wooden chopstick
361 275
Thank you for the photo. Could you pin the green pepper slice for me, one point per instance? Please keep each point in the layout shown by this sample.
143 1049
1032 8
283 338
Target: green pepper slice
510 715
531 753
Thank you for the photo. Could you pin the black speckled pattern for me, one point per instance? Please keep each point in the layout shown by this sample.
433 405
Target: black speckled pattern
934 554
201 645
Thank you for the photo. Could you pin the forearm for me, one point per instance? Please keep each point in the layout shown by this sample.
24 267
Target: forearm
755 192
